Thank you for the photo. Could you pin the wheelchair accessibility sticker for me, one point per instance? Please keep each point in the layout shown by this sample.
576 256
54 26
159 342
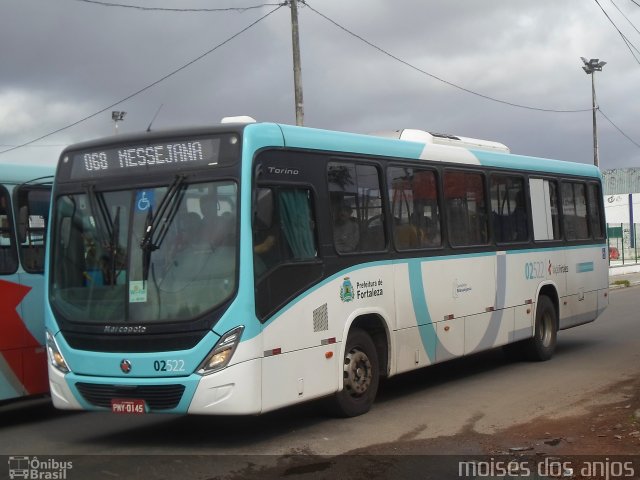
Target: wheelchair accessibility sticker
144 200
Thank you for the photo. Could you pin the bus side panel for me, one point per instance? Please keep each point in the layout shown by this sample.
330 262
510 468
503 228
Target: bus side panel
34 353
33 306
522 323
459 292
301 358
460 286
298 376
294 366
35 377
587 275
15 341
488 330
415 339
11 374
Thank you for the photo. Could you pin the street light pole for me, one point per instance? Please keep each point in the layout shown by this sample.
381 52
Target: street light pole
591 66
596 157
117 117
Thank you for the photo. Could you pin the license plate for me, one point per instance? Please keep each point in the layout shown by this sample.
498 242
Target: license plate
128 405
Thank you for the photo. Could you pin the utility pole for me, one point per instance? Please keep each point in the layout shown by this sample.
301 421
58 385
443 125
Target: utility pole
591 66
297 70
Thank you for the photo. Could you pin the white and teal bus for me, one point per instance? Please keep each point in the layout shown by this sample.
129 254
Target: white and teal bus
241 268
25 192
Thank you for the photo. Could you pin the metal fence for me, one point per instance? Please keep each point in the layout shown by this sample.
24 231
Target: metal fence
623 243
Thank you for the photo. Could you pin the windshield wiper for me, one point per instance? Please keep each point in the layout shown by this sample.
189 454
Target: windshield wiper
102 217
157 226
115 234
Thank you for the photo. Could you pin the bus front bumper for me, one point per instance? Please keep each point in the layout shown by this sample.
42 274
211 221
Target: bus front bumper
235 390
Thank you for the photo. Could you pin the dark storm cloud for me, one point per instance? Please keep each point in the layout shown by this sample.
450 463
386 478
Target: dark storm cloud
64 59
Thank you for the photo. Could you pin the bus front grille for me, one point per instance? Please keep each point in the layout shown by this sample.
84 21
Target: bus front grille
157 397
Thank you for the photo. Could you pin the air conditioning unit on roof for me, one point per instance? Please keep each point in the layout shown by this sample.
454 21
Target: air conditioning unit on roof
423 136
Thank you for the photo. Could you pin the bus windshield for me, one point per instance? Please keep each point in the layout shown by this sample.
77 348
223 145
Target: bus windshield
160 254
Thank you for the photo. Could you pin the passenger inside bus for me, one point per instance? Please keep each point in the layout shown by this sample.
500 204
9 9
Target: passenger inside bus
190 235
346 233
217 230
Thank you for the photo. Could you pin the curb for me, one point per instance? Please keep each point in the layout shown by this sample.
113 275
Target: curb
613 286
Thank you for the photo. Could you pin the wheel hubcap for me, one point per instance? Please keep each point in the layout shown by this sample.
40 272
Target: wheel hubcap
545 330
357 372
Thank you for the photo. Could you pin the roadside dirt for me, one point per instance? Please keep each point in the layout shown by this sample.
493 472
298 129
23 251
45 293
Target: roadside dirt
605 431
601 428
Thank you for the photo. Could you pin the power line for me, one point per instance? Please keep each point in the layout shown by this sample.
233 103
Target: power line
40 145
618 128
624 16
627 42
424 72
160 9
128 97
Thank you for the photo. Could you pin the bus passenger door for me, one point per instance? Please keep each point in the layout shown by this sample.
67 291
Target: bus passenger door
11 294
34 356
32 210
296 321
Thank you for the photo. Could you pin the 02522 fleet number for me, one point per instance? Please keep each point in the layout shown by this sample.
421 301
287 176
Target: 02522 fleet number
533 270
168 365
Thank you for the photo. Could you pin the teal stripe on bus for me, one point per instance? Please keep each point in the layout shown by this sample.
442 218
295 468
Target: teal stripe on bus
584 267
423 318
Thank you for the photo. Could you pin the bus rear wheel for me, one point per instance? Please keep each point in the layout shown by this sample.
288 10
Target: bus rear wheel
543 343
361 376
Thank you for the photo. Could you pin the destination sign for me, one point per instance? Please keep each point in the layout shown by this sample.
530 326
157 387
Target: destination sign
176 155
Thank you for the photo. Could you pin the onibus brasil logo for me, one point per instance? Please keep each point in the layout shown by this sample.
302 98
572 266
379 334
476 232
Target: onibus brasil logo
34 468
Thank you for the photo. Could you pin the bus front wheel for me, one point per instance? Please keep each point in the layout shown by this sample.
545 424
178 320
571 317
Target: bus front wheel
361 376
543 343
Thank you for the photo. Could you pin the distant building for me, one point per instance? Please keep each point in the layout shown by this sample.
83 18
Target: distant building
621 190
620 181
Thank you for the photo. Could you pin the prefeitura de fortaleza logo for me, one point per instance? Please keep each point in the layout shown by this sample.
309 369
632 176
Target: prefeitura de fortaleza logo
346 290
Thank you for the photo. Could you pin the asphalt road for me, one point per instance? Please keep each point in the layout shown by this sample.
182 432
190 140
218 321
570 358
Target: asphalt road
484 394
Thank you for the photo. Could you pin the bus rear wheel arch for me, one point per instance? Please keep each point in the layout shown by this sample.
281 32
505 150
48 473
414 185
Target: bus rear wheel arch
542 345
361 376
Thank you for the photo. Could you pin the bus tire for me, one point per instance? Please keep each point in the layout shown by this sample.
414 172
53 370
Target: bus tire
543 343
361 376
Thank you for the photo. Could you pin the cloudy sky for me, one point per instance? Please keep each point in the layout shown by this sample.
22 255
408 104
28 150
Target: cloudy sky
65 60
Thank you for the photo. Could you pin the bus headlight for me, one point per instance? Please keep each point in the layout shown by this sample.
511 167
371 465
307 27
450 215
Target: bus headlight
221 354
55 357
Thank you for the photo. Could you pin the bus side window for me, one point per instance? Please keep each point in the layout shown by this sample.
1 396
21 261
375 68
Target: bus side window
414 206
508 209
8 254
33 209
356 207
595 211
466 208
574 209
283 228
